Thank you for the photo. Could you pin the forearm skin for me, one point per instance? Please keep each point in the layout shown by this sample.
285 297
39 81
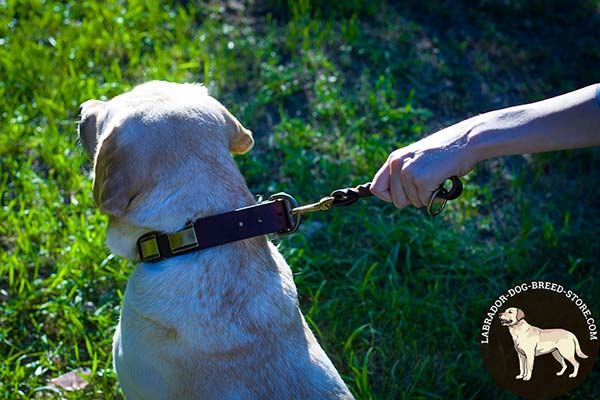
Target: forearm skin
564 122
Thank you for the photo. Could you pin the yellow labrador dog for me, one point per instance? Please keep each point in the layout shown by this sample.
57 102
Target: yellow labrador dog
221 323
531 341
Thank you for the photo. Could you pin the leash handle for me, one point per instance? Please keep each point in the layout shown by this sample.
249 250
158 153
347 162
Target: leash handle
444 195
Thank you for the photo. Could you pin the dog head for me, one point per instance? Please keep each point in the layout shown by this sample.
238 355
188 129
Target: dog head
511 316
161 156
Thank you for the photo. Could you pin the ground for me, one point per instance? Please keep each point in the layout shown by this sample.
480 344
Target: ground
329 89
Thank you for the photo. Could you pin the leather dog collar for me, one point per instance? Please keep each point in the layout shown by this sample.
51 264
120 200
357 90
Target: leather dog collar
279 214
270 216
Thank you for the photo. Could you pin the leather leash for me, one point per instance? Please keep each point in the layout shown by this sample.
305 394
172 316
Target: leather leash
280 214
348 196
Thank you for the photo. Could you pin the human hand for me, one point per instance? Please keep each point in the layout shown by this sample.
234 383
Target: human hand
412 173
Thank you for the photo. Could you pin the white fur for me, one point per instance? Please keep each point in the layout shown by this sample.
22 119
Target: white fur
222 323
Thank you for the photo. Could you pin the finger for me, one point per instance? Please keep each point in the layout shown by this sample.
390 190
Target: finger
424 193
380 186
396 188
411 191
409 183
410 188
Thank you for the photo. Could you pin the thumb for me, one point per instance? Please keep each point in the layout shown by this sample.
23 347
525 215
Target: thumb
380 186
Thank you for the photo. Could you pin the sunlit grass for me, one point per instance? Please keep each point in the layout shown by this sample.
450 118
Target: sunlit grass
329 89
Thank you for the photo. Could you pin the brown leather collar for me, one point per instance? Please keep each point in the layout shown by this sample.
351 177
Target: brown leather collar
266 217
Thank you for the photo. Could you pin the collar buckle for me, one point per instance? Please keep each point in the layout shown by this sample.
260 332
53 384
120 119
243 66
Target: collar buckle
148 247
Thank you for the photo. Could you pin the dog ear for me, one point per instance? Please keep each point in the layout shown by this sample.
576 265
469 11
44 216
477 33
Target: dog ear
88 125
240 138
520 314
115 184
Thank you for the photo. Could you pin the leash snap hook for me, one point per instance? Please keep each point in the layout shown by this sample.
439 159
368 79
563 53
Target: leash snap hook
326 203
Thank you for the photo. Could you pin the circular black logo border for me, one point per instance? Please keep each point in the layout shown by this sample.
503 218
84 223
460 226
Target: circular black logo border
545 305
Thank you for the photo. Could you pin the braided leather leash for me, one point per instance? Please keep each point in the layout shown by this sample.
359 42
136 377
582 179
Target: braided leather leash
347 196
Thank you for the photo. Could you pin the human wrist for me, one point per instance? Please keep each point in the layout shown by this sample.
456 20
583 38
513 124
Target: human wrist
496 132
479 138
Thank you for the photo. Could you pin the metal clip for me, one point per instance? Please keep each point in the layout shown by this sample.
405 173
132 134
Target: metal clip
443 195
431 209
289 204
322 205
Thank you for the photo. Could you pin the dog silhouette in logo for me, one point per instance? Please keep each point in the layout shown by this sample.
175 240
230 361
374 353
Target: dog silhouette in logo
531 341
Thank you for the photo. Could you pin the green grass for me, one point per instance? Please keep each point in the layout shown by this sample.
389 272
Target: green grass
329 89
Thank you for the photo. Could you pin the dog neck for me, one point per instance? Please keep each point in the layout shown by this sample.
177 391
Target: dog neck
519 326
172 212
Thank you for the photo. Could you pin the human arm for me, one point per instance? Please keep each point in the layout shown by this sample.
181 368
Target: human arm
412 173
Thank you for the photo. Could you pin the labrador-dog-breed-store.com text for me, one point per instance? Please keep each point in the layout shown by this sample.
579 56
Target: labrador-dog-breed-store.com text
220 323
